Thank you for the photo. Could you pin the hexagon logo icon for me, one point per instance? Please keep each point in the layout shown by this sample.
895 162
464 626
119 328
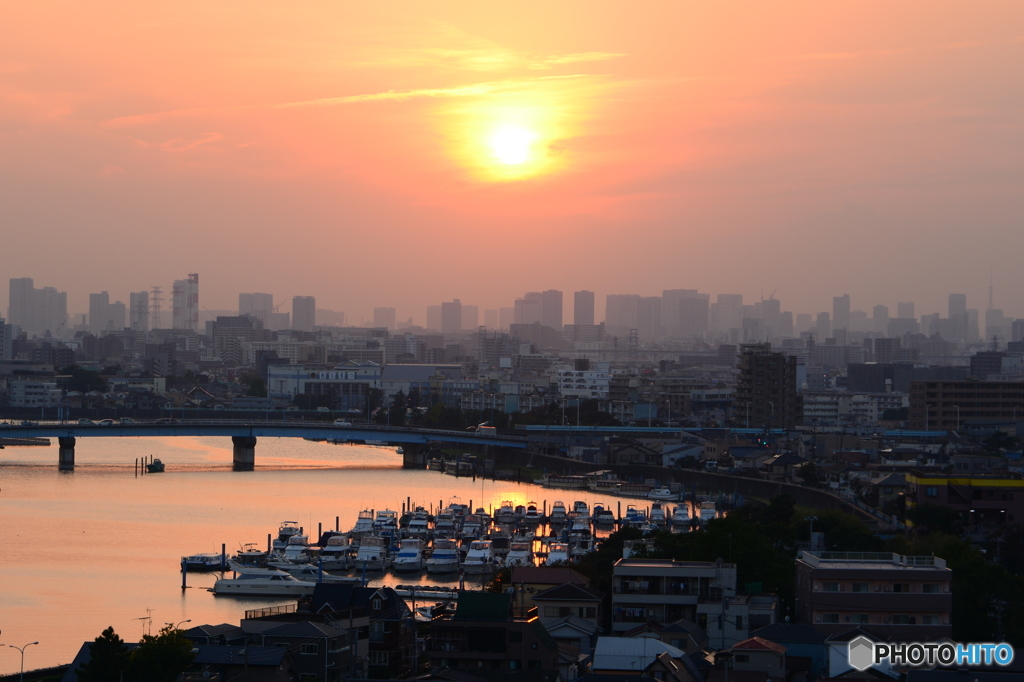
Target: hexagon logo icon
861 653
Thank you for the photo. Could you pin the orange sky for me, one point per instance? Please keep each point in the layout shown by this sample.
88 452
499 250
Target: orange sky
344 150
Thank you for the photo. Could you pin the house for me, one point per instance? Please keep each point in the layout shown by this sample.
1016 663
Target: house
730 619
889 488
627 451
748 458
757 654
320 651
256 663
802 641
483 633
531 580
783 467
839 648
682 634
224 634
629 655
668 669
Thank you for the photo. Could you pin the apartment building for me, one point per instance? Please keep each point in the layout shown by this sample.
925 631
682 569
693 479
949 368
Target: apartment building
663 590
946 405
980 500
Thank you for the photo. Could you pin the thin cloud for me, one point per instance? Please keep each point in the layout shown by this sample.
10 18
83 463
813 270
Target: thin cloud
575 58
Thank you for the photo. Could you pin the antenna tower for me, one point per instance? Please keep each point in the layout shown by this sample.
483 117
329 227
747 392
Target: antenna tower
156 300
634 349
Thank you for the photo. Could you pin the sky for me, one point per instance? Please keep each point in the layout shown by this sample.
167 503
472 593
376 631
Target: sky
406 153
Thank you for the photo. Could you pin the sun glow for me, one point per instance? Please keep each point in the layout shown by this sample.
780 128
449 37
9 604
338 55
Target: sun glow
512 145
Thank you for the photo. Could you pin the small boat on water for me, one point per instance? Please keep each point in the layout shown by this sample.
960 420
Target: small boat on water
557 552
435 464
251 555
707 511
444 522
155 467
519 554
444 558
658 517
419 524
506 513
558 513
373 554
479 559
472 527
270 583
565 481
410 556
285 532
603 516
634 489
297 550
532 516
386 522
337 554
663 493
364 523
203 562
681 517
634 517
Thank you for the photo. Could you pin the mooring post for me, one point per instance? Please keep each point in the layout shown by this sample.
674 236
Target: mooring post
184 573
66 453
244 453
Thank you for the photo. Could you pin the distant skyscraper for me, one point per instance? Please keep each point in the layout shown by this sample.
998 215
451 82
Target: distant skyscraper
304 313
620 310
384 317
506 317
957 305
6 332
670 310
583 307
730 311
841 312
451 317
185 303
20 309
693 315
823 329
434 318
880 319
118 314
260 306
491 319
138 306
470 317
771 309
649 320
36 311
905 310
99 312
551 309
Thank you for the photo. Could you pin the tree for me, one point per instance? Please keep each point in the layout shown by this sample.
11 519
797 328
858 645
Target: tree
928 517
108 659
161 658
83 380
257 389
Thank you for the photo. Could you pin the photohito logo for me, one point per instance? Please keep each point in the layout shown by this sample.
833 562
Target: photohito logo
863 653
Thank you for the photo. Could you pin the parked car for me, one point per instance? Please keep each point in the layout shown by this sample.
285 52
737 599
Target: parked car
86 422
167 420
126 420
342 422
106 422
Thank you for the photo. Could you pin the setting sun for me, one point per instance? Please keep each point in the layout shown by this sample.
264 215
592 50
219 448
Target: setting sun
511 144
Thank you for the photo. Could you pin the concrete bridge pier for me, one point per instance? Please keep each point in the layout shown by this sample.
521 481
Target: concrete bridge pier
414 456
66 453
245 453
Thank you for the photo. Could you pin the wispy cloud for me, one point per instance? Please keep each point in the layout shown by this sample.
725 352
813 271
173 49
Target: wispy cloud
575 58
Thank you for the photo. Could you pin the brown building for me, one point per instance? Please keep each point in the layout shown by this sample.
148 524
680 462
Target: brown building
980 500
766 391
946 405
906 598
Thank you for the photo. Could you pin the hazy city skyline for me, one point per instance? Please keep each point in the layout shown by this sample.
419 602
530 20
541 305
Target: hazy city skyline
373 156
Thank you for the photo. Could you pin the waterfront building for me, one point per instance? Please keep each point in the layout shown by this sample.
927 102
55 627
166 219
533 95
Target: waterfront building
905 598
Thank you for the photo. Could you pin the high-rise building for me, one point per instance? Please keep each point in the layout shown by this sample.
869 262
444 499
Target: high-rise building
384 317
118 314
470 317
841 312
583 307
260 306
766 391
880 319
693 315
138 306
1017 330
185 303
434 318
451 317
823 328
551 309
620 310
99 312
905 310
957 305
21 303
670 309
649 320
506 317
530 308
304 313
36 311
491 319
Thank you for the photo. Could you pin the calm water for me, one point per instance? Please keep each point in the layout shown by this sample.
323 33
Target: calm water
98 546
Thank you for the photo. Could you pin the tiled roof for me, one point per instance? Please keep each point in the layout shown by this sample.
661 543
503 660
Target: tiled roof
755 643
545 575
568 592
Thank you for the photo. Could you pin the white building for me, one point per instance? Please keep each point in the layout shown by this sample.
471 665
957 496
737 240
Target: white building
34 393
583 384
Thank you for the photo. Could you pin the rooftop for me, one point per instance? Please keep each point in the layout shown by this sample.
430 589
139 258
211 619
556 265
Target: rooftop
871 560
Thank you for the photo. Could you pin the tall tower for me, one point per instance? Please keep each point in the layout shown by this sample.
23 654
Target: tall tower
138 303
304 313
185 303
156 302
583 307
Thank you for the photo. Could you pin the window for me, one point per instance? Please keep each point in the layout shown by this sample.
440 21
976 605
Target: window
931 491
309 649
901 619
830 618
902 588
860 618
860 587
743 658
588 612
739 622
376 604
551 612
378 658
830 587
514 665
281 645
930 588
929 620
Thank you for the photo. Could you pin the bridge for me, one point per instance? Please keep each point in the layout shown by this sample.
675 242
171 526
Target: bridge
244 435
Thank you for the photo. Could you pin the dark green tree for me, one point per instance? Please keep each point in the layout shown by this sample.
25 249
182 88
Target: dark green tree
162 658
929 517
257 388
396 416
83 380
108 659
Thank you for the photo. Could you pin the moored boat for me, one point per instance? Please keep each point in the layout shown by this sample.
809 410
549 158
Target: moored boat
409 557
479 559
268 583
444 558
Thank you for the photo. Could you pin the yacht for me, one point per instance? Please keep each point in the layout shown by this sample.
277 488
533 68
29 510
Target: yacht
373 554
532 516
251 555
203 562
479 559
558 513
444 522
364 523
419 524
500 540
386 522
657 514
297 550
506 513
681 517
582 545
557 552
410 556
634 517
337 554
519 554
263 583
662 493
707 511
286 531
603 516
472 527
444 558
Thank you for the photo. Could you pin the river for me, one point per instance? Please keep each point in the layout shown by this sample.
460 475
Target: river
99 546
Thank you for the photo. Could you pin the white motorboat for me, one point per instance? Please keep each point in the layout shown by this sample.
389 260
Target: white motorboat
314 574
658 517
532 516
582 545
410 556
500 540
558 513
297 550
663 493
506 513
364 523
557 552
444 522
337 554
251 555
373 554
472 527
203 562
707 511
634 517
285 532
519 554
386 522
602 515
480 558
419 524
681 517
444 558
264 582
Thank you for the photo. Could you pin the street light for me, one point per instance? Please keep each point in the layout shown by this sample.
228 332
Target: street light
179 623
812 519
22 650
